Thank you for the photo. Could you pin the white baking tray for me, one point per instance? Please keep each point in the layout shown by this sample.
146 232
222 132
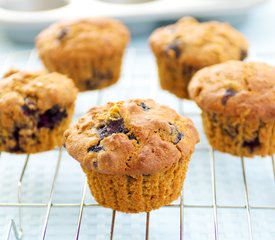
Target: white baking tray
24 25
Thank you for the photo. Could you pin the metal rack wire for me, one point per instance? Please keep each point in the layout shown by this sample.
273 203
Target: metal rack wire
15 229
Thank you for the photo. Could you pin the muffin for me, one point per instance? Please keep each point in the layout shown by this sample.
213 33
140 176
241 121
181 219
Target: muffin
238 106
35 110
89 51
135 153
183 48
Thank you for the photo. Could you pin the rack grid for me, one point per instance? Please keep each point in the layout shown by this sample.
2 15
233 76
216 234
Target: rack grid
253 191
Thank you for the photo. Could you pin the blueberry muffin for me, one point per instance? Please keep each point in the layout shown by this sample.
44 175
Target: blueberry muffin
135 153
89 51
185 47
238 106
35 110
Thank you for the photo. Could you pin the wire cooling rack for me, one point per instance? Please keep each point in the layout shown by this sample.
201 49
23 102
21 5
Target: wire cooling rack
45 196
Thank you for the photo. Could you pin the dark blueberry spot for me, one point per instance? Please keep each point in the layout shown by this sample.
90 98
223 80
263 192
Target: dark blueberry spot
16 134
16 138
131 136
51 117
96 148
27 111
95 164
252 145
188 71
175 131
228 94
243 54
33 136
62 33
112 126
29 108
178 137
175 47
231 131
144 106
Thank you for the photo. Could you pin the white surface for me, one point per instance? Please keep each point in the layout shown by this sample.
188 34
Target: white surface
32 5
25 24
158 9
139 80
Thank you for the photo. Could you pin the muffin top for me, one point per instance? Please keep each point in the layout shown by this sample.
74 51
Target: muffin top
199 44
100 36
235 88
34 98
131 137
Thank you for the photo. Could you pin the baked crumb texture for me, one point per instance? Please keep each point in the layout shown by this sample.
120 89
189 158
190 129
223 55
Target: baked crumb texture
181 49
35 110
89 51
238 107
135 153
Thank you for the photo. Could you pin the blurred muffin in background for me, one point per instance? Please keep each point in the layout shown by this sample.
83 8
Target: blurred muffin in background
89 51
185 47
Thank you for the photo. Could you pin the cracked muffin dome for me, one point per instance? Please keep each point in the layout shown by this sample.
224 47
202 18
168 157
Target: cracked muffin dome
183 48
134 137
136 143
89 50
35 110
238 103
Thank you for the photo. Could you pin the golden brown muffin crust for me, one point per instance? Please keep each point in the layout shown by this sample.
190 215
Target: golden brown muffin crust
199 44
35 109
235 88
99 36
18 85
132 137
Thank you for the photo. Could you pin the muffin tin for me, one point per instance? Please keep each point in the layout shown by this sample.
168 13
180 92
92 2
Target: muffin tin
23 19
